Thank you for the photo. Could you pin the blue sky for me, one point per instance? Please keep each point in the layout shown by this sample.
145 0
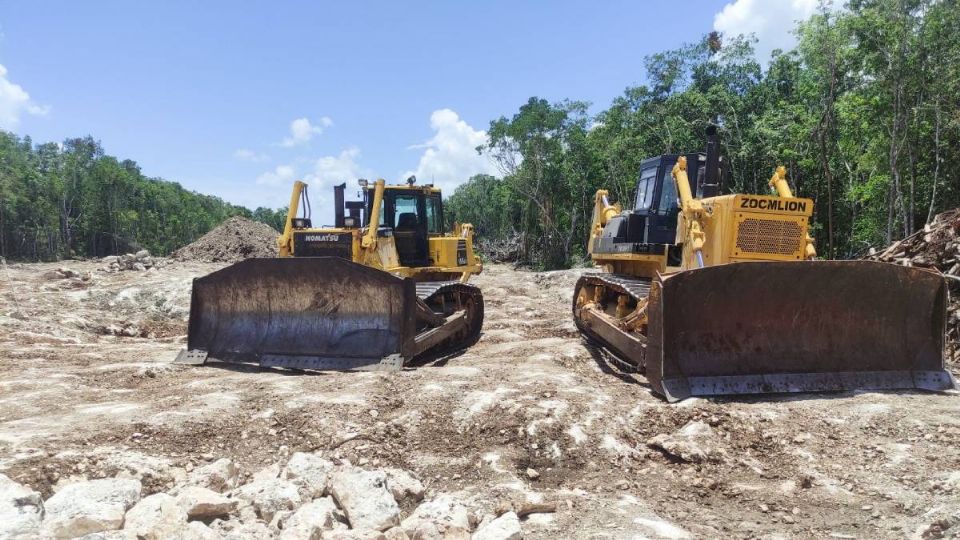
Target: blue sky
237 99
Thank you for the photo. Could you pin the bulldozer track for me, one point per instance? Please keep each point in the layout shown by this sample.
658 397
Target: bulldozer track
627 358
444 298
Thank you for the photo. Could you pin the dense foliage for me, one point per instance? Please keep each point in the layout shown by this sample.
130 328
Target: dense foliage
73 200
864 113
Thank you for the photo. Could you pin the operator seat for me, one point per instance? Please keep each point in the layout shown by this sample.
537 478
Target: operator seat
410 247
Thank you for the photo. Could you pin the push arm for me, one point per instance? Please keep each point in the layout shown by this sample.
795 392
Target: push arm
285 241
370 238
693 211
603 212
779 182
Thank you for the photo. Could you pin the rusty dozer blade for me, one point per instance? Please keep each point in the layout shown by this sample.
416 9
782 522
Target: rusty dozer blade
771 327
304 313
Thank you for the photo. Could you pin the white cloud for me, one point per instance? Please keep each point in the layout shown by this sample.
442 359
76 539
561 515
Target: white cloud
14 102
771 21
251 156
302 130
330 170
450 157
282 174
273 187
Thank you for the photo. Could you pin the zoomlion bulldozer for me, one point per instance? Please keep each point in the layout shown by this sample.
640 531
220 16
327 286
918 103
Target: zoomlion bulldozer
383 286
721 294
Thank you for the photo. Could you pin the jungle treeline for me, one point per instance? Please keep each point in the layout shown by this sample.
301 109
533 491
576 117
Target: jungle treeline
864 113
72 200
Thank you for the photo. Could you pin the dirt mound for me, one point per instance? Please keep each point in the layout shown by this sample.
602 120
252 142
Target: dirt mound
935 246
236 239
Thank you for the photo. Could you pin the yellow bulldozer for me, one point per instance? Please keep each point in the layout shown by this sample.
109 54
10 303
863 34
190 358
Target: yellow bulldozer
711 294
383 286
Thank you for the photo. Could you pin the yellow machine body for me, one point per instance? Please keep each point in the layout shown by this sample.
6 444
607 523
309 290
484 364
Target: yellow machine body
451 255
745 308
383 286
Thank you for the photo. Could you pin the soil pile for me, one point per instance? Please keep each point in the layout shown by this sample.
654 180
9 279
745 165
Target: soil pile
236 239
935 246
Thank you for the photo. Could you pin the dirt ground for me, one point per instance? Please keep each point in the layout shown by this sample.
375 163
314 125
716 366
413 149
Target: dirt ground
87 390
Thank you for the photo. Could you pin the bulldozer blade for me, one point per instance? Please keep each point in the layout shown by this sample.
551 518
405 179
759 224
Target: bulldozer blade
772 327
322 313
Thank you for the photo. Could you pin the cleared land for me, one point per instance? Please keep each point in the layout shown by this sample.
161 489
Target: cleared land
529 414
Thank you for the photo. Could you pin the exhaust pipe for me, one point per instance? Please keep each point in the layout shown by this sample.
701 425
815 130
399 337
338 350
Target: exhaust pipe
710 187
338 205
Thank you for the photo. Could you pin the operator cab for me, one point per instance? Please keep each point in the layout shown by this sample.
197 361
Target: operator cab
412 215
651 226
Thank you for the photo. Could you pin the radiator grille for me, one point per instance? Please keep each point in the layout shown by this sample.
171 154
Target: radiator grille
771 236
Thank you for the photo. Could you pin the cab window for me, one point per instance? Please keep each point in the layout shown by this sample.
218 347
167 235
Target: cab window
668 193
434 219
645 187
405 212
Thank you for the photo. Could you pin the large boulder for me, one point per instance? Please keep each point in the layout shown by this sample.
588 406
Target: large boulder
351 534
505 527
89 507
155 517
365 499
202 503
396 533
21 509
269 496
122 534
404 486
309 471
311 519
246 530
195 530
220 476
440 516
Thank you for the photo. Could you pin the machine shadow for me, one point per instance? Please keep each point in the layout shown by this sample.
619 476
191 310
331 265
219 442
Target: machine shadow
609 364
237 367
436 360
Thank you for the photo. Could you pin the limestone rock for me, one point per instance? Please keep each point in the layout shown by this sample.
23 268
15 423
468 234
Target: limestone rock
21 509
155 517
249 530
196 530
695 442
110 535
505 527
404 486
202 503
364 498
89 507
270 496
353 535
220 476
267 473
396 533
311 519
309 471
442 513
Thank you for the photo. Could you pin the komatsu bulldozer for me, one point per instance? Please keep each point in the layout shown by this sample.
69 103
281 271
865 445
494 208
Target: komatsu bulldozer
712 294
383 286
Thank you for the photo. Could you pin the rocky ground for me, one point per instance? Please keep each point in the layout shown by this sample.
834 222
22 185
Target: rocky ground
530 427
